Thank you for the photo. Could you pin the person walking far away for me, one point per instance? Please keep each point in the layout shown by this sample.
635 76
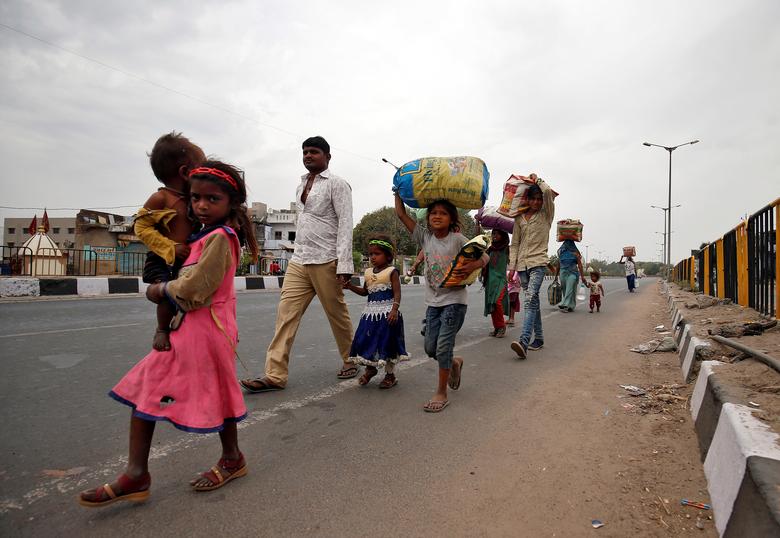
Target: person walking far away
494 280
321 265
570 263
193 384
596 291
446 306
379 338
162 223
630 267
528 256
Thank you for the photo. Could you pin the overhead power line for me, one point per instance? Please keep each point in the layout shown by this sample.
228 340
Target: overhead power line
172 90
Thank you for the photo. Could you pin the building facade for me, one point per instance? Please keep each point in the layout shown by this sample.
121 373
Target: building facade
61 230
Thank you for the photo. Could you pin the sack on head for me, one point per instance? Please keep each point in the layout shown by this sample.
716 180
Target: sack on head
489 218
461 180
569 229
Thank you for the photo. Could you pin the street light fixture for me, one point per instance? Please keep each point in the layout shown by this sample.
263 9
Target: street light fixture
670 149
664 209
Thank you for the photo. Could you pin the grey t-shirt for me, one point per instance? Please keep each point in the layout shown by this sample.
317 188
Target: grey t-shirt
439 254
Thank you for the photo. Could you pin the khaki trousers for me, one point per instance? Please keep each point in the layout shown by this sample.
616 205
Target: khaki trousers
301 284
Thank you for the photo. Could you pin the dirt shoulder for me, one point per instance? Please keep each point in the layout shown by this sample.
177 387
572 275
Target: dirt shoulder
749 381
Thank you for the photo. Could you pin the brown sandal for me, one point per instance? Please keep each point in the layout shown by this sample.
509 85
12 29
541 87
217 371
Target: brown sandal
367 375
388 382
133 489
221 473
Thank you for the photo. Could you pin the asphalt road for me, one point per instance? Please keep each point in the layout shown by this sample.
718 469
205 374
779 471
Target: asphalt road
316 450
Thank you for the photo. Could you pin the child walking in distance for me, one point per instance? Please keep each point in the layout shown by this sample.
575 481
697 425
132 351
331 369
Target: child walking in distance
379 338
446 306
162 223
193 385
494 280
596 291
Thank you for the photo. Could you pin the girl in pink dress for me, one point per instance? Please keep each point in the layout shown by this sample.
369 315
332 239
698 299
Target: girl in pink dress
193 385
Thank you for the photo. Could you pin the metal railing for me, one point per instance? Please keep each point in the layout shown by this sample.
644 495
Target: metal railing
762 259
742 265
15 261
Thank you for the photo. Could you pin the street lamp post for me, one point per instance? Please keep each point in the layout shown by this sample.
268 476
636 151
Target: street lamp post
665 232
670 149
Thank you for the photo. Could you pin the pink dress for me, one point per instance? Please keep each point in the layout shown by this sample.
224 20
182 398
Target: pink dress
194 385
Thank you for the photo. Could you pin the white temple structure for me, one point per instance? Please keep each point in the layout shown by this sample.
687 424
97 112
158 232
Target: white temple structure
44 257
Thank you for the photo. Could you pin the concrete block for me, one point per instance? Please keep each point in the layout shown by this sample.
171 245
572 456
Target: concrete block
239 283
92 286
689 359
254 283
741 437
58 286
122 285
271 282
142 285
19 287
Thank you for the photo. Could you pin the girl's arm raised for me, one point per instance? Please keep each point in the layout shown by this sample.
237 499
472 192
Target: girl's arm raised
400 210
396 282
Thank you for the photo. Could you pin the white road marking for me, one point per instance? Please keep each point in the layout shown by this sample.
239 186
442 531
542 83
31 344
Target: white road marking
54 331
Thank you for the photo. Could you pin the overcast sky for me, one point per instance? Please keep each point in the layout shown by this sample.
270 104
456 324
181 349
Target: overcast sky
566 89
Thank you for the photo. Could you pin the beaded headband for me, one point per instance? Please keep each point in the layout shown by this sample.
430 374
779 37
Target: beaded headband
214 172
381 243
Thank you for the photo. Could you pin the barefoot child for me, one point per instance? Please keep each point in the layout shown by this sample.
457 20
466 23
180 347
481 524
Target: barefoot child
162 224
446 306
379 338
596 291
494 280
193 385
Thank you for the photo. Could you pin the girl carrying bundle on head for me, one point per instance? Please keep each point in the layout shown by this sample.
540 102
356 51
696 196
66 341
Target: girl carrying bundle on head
446 306
379 338
494 280
193 385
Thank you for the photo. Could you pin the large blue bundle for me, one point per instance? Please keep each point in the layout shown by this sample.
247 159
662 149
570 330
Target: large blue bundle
461 180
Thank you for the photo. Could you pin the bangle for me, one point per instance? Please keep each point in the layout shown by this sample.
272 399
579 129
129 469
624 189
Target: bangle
397 302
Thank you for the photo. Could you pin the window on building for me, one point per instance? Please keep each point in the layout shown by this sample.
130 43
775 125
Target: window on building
291 236
11 230
55 230
11 243
278 236
71 230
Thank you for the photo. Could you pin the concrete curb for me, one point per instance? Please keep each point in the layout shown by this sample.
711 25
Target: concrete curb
741 454
100 286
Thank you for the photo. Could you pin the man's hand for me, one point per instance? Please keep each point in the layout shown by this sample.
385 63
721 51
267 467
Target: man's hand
344 279
182 251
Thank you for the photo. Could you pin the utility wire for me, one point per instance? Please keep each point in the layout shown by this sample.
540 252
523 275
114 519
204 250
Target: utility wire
172 90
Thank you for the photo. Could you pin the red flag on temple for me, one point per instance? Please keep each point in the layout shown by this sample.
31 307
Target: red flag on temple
45 222
33 225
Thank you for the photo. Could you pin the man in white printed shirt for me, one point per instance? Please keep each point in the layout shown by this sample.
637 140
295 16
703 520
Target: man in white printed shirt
320 265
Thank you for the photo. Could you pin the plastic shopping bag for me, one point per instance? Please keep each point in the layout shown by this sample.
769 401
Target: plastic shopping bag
469 252
554 293
581 292
461 180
